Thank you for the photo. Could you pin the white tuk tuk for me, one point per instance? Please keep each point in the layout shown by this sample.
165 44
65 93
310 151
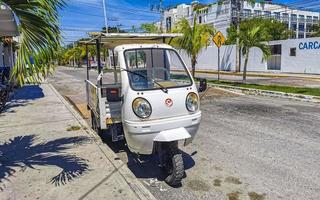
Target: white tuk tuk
146 104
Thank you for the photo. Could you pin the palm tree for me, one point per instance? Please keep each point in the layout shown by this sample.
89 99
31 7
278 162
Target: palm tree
194 39
252 37
39 37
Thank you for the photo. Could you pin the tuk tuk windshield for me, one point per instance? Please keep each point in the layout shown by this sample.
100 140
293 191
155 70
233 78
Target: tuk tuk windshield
156 69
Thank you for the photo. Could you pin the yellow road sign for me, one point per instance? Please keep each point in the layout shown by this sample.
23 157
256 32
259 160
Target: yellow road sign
219 39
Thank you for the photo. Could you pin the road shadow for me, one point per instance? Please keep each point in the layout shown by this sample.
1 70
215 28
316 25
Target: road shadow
21 152
22 96
142 166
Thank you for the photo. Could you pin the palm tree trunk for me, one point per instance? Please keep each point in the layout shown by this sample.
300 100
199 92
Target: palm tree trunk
245 66
193 66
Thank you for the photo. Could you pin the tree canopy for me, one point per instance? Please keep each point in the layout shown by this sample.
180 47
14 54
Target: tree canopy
149 28
274 29
194 39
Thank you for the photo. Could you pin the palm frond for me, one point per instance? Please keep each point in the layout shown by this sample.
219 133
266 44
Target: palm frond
39 37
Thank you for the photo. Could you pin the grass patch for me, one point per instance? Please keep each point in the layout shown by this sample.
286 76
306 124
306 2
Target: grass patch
255 196
217 182
234 195
73 128
233 180
276 88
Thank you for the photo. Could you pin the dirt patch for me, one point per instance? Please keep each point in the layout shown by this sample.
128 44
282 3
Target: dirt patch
73 128
255 196
217 93
233 180
198 185
217 182
234 195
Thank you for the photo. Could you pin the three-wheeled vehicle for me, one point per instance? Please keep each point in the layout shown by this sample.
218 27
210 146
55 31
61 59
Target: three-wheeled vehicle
153 102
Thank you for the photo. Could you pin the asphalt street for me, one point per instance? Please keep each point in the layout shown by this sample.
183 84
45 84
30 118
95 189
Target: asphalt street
247 147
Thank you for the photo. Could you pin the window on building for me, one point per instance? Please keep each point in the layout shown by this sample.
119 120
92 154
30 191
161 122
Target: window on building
315 19
301 27
301 35
247 13
294 26
277 15
293 51
301 17
276 49
309 19
293 17
285 17
257 13
267 14
200 19
309 28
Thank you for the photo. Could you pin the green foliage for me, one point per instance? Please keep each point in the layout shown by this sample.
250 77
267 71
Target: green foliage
252 37
316 30
194 39
113 29
277 88
274 29
77 54
39 37
149 28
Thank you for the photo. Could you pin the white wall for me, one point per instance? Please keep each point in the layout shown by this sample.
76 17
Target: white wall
305 61
207 59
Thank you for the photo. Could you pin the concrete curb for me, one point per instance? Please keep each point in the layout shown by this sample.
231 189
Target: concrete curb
250 91
136 186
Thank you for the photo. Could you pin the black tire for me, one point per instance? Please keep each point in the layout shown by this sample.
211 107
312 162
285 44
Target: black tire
94 124
175 169
4 95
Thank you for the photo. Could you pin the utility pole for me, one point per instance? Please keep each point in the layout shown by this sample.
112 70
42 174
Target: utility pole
161 15
160 9
105 15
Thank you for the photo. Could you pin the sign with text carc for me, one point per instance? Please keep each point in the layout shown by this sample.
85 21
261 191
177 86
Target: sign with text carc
219 39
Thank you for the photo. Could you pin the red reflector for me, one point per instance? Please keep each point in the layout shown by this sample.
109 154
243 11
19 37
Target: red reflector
114 91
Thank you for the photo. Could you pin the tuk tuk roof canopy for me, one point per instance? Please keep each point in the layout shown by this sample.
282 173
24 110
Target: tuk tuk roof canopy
112 40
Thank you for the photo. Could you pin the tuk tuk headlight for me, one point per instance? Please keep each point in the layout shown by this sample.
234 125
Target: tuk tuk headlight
192 102
141 107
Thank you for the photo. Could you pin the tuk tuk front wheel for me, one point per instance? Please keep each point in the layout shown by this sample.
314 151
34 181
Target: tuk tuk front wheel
175 168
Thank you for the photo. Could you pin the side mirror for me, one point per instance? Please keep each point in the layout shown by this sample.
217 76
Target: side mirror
203 85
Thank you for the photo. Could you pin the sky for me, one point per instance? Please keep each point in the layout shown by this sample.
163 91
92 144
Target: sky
82 16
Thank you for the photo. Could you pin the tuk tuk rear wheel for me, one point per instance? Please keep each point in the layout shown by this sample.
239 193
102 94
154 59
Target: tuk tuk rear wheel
175 168
94 124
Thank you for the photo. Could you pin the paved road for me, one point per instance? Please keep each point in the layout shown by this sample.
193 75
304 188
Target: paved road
247 148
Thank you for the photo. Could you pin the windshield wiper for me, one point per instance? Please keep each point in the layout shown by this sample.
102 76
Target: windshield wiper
164 89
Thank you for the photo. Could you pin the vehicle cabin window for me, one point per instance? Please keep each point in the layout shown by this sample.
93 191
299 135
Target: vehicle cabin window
150 68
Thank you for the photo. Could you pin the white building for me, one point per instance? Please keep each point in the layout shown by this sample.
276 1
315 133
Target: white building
223 16
288 56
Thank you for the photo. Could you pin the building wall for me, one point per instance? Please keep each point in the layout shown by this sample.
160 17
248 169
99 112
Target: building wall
305 61
221 16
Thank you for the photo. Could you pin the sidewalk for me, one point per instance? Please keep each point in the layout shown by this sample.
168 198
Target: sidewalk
48 152
282 79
